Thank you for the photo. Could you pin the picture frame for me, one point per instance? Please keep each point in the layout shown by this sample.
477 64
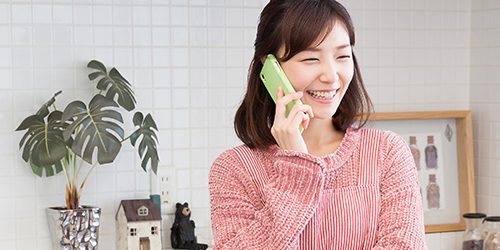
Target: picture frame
451 169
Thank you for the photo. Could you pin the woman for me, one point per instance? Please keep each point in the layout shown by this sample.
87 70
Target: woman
336 185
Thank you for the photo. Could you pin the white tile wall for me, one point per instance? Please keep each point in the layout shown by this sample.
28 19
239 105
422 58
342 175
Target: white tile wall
484 99
188 63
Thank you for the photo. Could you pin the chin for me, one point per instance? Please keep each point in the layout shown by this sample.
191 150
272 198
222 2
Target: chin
323 115
322 111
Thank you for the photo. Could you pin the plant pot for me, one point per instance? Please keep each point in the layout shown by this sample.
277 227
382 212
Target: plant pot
74 228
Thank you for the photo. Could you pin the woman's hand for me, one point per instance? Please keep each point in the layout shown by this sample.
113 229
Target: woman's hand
285 130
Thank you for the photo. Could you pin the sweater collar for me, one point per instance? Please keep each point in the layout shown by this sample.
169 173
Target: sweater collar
345 150
333 160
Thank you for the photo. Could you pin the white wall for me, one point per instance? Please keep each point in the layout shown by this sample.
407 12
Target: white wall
414 52
485 101
188 63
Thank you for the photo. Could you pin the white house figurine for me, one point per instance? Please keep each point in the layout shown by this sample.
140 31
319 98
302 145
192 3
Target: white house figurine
138 225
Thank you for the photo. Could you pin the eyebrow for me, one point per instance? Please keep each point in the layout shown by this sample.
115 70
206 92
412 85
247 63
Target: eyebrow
343 46
338 48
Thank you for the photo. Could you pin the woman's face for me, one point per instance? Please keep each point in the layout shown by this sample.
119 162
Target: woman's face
323 73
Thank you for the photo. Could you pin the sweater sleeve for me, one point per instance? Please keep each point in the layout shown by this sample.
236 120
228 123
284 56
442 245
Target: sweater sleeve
401 224
240 221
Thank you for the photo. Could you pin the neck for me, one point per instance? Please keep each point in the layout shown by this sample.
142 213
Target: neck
321 137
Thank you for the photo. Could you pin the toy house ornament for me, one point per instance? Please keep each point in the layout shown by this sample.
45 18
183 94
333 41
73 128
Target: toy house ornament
138 225
182 235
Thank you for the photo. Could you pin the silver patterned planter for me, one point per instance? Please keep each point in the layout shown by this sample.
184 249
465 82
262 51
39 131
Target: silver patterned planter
73 229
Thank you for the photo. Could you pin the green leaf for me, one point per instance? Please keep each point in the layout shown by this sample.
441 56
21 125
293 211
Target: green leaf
103 83
150 122
49 170
44 110
41 113
43 143
137 119
98 126
93 76
32 123
114 84
29 121
51 147
122 88
148 150
36 169
94 64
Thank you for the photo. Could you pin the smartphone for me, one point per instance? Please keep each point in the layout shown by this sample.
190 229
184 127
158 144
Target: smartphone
272 75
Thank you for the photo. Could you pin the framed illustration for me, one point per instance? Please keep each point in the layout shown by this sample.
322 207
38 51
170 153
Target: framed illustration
441 143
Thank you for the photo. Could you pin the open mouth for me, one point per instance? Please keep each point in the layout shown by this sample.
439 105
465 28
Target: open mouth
325 95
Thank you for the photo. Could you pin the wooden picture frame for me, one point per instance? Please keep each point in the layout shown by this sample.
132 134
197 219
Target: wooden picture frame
403 122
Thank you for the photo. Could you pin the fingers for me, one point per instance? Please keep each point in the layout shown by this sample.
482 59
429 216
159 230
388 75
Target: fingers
280 92
282 100
300 116
280 109
290 126
302 108
285 99
286 129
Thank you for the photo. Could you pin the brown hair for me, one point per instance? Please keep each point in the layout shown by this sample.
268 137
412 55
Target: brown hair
295 25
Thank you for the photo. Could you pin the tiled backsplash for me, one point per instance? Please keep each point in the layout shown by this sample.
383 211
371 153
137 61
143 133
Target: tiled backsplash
188 61
485 102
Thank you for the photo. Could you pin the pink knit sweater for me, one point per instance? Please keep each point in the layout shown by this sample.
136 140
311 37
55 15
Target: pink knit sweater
365 195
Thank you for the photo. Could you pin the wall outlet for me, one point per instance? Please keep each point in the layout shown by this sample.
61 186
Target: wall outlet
163 183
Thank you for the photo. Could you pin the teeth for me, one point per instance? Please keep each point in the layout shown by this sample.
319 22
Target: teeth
321 94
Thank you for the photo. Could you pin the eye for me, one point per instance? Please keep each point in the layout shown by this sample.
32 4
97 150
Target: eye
310 59
344 57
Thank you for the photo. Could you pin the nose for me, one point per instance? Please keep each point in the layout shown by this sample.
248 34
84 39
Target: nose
329 72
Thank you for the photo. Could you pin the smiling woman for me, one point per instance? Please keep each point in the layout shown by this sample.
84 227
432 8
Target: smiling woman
323 72
335 186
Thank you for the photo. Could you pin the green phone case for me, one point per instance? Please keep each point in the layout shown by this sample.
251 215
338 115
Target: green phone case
272 75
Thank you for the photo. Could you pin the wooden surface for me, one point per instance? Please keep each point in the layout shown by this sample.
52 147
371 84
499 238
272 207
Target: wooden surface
420 115
465 158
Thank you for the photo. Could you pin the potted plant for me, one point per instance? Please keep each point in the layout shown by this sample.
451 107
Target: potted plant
85 136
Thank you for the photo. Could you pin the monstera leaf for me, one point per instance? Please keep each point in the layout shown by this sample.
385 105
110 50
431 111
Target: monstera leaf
98 126
44 145
44 110
147 147
115 82
49 170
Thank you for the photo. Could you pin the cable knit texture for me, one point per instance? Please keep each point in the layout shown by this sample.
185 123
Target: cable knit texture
365 195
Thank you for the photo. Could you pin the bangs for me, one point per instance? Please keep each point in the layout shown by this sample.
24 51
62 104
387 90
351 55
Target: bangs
310 25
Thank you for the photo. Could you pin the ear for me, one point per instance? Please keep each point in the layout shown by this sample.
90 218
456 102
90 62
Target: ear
186 204
178 205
